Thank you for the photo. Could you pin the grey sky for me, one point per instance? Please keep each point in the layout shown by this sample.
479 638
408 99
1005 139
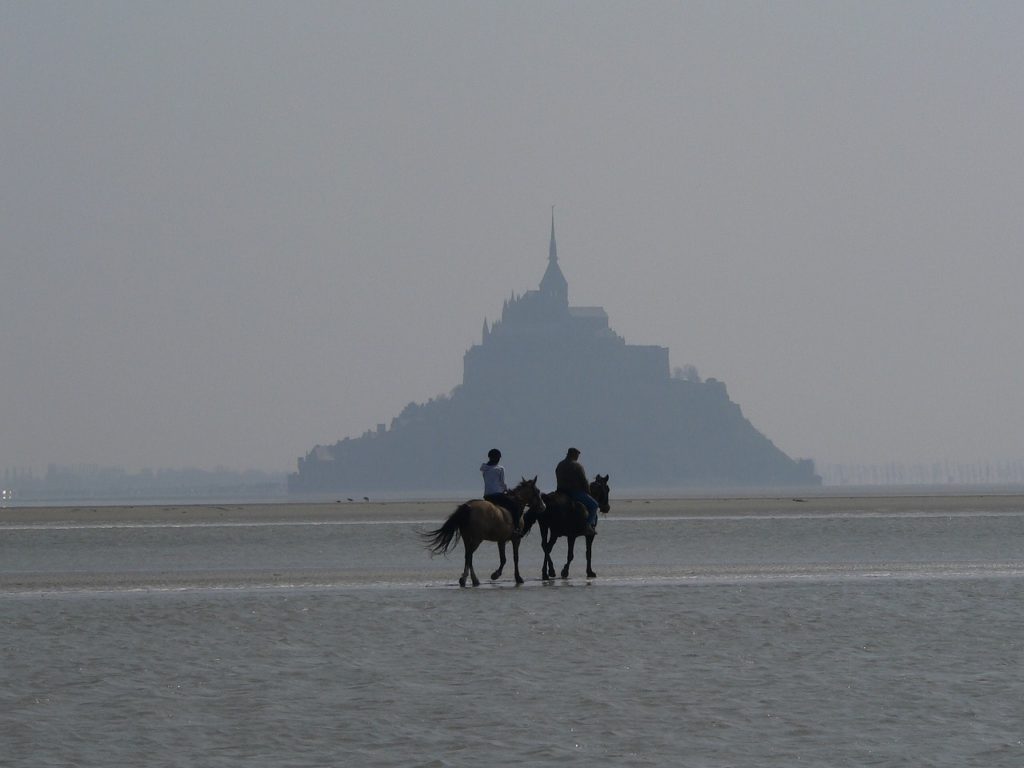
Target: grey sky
229 231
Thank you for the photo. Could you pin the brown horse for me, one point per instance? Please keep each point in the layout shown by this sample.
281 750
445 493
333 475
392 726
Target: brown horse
479 520
564 517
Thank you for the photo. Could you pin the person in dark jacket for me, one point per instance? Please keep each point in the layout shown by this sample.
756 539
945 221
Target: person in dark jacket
571 479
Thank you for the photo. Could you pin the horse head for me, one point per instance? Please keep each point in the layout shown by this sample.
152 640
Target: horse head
599 490
529 494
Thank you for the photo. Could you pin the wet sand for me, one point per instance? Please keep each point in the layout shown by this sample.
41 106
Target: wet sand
438 510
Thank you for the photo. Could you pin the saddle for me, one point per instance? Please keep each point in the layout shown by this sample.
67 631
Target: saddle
502 500
564 500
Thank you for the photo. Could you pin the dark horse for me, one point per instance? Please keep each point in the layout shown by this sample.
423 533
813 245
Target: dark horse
562 516
479 520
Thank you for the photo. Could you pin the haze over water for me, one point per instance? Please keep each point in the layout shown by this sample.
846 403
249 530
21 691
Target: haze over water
231 232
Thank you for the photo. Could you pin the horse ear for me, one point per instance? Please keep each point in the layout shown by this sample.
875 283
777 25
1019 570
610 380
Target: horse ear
534 481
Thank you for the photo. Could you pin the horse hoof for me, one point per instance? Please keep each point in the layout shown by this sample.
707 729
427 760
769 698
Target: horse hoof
591 575
462 581
476 582
519 580
495 575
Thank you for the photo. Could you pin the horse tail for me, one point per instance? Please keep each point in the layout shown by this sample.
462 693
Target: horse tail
440 540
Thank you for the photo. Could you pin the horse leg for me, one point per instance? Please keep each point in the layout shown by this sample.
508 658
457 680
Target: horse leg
544 549
467 563
572 543
590 546
515 559
552 540
468 569
501 566
472 571
548 567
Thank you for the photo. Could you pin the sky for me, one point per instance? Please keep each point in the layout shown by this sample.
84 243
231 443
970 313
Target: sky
232 231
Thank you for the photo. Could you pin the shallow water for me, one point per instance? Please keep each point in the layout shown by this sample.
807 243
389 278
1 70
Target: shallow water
749 639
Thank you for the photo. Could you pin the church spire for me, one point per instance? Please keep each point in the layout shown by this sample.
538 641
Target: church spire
552 248
553 284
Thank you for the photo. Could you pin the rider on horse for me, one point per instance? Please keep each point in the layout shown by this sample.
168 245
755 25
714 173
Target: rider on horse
496 492
572 481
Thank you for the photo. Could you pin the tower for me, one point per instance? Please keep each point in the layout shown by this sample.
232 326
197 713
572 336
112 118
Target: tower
553 286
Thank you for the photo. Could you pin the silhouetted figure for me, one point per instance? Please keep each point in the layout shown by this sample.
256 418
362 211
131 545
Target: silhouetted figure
496 491
571 479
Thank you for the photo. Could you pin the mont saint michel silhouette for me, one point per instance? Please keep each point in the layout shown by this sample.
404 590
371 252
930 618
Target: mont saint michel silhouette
547 376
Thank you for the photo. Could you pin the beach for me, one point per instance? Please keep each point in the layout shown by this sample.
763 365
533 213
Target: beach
818 504
719 632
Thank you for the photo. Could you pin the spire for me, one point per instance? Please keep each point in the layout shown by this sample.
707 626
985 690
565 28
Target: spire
554 284
553 248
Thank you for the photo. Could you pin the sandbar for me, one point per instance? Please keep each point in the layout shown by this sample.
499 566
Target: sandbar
438 510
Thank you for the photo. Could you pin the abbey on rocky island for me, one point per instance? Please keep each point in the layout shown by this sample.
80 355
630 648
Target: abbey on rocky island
545 376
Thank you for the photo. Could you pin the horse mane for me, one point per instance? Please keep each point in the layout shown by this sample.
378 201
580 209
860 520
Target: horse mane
523 481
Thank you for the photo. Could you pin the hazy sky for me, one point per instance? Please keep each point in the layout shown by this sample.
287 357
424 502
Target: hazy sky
230 231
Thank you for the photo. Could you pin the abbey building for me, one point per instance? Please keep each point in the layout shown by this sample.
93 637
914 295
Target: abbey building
545 376
540 338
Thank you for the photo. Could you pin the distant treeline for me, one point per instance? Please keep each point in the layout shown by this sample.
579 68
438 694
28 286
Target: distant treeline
90 481
1006 472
